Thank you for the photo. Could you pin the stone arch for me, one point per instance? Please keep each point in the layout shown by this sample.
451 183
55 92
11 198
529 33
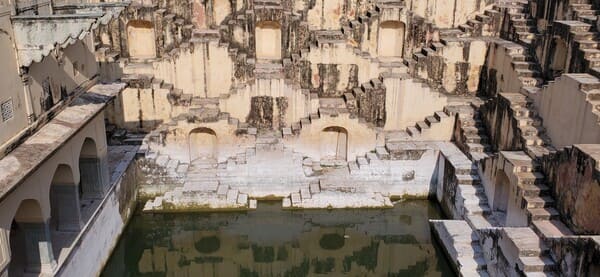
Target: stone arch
501 192
29 239
558 64
64 201
334 143
391 39
202 144
92 185
268 40
142 39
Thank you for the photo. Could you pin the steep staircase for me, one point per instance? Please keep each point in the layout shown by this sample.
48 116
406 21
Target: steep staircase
522 26
530 253
533 134
542 215
472 136
462 246
582 10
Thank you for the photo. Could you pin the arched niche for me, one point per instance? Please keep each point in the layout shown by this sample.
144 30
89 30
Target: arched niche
334 143
501 193
202 144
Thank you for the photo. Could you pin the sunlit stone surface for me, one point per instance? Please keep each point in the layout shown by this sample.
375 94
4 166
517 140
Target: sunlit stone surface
332 110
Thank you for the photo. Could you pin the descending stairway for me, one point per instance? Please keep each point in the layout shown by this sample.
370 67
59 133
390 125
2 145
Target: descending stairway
542 214
522 28
582 10
462 246
533 134
472 136
335 195
531 255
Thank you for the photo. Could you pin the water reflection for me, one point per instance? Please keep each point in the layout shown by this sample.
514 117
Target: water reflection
271 242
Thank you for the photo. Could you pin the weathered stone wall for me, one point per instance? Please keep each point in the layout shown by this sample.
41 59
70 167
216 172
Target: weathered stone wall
499 119
577 256
574 178
447 14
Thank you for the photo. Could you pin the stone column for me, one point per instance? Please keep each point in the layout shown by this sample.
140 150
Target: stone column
38 247
92 181
66 208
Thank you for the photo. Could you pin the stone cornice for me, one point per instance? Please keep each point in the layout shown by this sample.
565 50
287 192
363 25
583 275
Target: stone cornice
37 35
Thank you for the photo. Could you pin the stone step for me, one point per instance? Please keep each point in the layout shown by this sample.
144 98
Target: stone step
538 201
551 229
461 244
524 242
536 264
549 213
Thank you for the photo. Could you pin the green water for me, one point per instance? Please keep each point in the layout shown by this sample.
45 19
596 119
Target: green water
272 242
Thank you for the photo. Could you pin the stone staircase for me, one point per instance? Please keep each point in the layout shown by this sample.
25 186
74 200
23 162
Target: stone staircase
542 215
582 10
433 128
470 200
533 134
524 64
522 28
198 189
370 164
462 246
335 195
585 45
161 174
527 251
472 136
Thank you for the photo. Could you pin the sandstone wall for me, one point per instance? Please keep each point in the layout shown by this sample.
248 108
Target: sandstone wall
502 127
447 14
568 110
574 178
408 102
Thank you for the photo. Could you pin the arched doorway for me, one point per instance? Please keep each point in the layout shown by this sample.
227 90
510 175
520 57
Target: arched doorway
268 40
64 201
203 144
559 59
501 193
92 185
334 143
391 39
141 39
30 243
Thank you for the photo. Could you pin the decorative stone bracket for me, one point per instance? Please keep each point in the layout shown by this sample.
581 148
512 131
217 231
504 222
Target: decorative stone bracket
37 35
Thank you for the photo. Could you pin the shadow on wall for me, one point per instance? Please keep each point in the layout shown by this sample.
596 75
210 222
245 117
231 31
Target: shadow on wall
58 75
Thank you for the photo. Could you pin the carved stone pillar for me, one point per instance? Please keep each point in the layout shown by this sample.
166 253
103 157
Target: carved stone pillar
26 81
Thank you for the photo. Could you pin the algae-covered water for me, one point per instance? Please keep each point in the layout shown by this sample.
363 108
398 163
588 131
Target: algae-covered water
273 242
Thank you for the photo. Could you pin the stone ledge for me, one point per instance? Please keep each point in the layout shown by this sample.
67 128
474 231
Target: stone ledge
27 157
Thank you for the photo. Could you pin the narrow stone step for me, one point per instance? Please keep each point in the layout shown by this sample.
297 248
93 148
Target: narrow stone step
536 264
